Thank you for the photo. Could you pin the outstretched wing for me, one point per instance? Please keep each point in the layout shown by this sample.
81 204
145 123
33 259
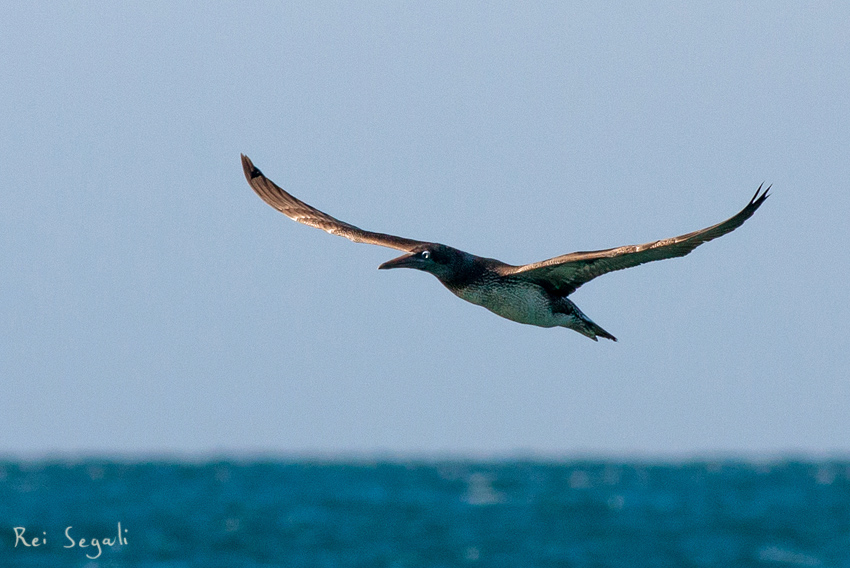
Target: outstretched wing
564 274
299 211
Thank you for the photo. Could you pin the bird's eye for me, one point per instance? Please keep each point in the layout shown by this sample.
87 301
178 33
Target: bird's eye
426 254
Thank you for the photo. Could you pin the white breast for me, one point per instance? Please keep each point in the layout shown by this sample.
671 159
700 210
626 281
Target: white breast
516 300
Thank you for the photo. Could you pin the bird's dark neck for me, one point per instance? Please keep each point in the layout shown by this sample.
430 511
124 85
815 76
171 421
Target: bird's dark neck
473 271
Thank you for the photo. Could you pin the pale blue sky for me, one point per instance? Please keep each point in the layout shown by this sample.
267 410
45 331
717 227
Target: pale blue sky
151 303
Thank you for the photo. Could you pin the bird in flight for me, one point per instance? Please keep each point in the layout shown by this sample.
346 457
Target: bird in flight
534 294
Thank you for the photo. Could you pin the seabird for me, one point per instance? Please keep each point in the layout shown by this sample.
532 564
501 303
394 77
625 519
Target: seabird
534 294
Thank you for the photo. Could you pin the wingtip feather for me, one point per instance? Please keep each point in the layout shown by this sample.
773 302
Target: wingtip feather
250 170
758 199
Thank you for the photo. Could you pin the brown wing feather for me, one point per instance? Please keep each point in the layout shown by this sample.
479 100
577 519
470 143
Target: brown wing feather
564 274
299 211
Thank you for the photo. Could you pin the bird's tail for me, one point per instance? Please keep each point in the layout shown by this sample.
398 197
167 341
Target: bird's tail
583 324
592 330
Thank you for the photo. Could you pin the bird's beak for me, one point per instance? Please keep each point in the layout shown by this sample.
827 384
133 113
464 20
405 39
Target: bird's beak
404 261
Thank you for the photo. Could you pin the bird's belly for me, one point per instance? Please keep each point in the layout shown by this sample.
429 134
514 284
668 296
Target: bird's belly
520 302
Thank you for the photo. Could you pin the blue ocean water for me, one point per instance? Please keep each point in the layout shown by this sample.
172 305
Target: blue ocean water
422 513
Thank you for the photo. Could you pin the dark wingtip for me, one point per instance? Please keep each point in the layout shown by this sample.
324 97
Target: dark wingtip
759 199
250 170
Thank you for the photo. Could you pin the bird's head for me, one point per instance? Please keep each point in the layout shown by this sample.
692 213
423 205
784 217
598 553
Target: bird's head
440 260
